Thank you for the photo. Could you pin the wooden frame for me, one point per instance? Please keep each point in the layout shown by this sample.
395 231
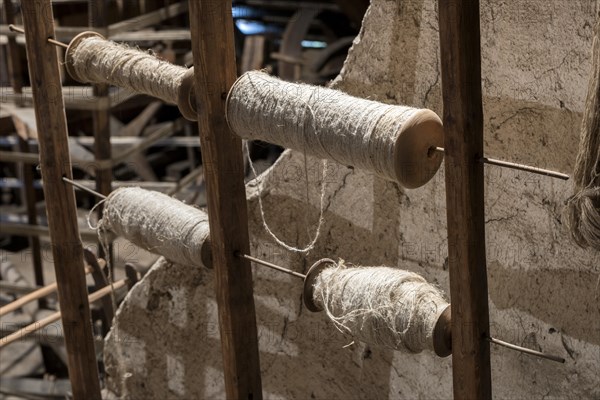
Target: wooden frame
463 127
60 200
215 72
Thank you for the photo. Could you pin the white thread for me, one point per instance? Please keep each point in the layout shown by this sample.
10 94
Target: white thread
330 124
583 208
158 223
104 244
307 109
380 305
97 60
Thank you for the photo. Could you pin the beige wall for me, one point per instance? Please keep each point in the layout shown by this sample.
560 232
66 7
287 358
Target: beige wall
543 289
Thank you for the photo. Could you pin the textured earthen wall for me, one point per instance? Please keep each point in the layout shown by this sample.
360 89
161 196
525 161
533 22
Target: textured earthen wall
543 289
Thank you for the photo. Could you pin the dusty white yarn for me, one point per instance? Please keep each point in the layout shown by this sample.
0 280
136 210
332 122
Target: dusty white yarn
323 122
583 207
310 245
97 60
157 223
380 305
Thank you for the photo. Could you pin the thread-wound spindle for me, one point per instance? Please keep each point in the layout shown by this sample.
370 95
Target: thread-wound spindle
159 224
390 140
381 306
90 58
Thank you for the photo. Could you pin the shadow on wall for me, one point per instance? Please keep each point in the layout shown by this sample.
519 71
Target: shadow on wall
340 237
566 300
524 132
167 343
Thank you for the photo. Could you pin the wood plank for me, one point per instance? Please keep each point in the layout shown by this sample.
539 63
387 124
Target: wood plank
74 97
101 125
39 324
14 183
63 33
151 18
61 209
215 67
148 35
18 229
463 125
32 217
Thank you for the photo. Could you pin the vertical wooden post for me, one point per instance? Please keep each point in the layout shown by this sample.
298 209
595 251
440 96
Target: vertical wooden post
463 126
97 10
60 198
32 218
14 64
215 67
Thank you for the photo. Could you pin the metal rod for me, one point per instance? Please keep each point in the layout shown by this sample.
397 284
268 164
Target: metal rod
85 189
526 350
270 265
14 28
57 43
521 167
511 165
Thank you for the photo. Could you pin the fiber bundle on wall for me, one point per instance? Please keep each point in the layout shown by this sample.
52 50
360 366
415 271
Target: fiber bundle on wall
390 140
91 58
584 206
159 224
381 306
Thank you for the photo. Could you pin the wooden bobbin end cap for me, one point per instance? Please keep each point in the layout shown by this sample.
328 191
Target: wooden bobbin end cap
75 42
415 164
442 334
309 282
186 97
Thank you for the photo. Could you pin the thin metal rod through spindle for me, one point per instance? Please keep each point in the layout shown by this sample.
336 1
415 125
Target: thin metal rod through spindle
511 165
14 28
84 188
270 265
526 350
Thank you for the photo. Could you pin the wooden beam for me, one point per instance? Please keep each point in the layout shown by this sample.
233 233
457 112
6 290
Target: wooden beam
29 297
215 68
60 199
13 228
14 64
37 325
463 126
101 125
75 97
145 20
32 216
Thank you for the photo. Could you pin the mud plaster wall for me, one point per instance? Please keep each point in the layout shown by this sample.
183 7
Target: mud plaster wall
543 289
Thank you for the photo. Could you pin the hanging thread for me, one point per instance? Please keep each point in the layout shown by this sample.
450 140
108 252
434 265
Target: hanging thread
313 241
583 209
159 224
90 58
390 140
380 305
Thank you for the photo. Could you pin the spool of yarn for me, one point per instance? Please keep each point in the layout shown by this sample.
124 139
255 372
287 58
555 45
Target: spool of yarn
90 58
159 224
392 141
583 215
381 306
